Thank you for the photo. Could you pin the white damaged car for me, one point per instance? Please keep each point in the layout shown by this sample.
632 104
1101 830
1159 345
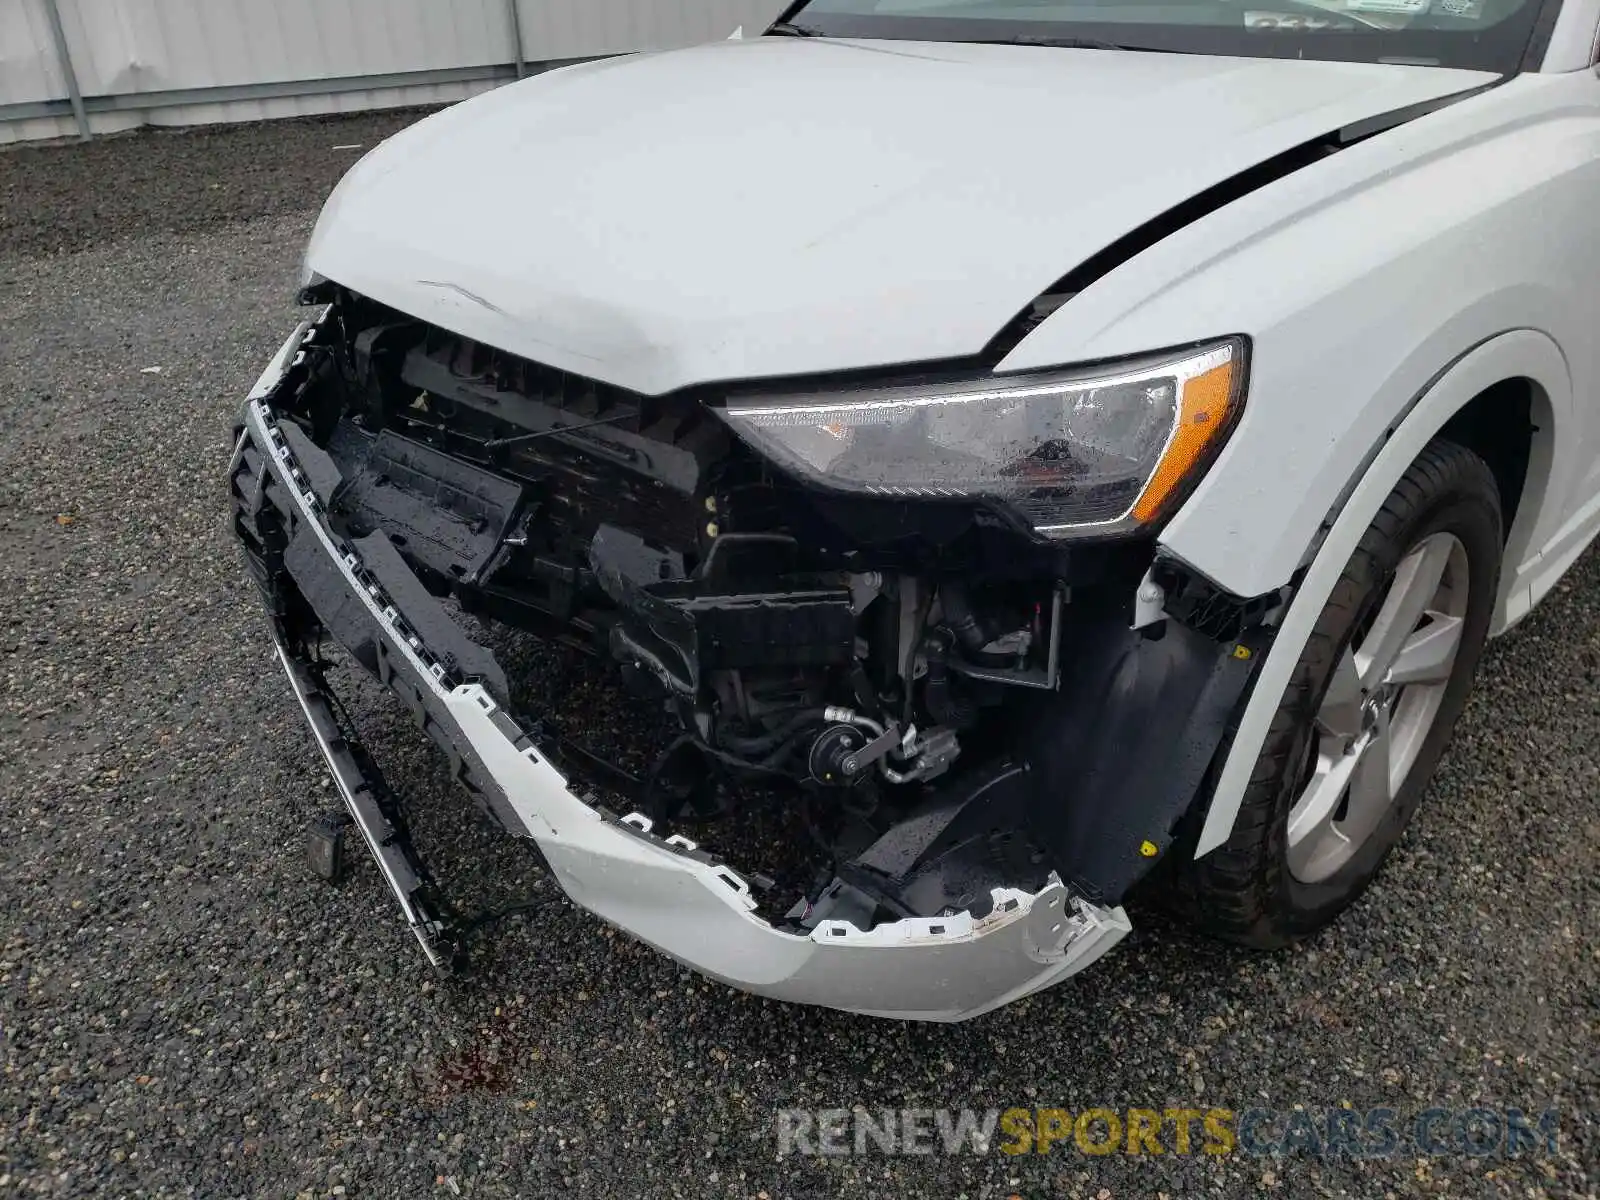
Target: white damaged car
1030 451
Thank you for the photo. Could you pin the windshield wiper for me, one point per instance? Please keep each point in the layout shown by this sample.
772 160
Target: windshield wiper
790 29
1067 43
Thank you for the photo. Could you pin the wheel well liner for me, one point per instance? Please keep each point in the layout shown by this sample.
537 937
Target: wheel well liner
1498 425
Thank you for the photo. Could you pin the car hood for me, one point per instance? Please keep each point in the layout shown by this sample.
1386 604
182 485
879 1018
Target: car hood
784 206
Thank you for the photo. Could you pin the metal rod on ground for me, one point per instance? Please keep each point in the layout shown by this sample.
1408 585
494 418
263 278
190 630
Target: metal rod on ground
64 58
515 9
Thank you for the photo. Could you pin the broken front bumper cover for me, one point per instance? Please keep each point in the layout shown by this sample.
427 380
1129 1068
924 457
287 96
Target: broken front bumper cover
665 891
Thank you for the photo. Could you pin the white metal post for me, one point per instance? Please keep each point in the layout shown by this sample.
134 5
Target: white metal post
64 59
515 9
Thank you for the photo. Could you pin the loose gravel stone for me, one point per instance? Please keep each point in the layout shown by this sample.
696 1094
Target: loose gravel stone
184 1011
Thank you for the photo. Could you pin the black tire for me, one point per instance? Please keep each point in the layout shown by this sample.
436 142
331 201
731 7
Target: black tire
1244 891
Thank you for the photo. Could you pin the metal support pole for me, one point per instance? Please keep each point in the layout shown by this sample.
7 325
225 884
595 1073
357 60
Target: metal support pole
515 10
64 58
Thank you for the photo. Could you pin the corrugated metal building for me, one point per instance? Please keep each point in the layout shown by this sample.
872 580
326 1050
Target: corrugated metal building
187 62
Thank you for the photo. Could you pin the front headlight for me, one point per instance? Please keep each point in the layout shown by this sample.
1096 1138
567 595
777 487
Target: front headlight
1071 451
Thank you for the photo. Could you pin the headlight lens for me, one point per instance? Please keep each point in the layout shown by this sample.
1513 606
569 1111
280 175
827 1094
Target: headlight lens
1066 450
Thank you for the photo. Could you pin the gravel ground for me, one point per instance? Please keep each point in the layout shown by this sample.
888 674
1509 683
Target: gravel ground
184 1012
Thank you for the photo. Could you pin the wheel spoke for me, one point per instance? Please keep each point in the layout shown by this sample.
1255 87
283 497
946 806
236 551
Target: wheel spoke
1340 714
1416 582
1371 787
1430 653
1311 820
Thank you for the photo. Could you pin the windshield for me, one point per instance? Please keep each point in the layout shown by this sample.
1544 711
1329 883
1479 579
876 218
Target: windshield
1493 35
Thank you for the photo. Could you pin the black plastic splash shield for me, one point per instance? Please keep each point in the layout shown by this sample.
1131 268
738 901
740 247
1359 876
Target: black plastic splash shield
1121 754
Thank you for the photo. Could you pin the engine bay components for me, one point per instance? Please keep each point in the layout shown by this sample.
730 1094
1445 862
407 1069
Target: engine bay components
907 684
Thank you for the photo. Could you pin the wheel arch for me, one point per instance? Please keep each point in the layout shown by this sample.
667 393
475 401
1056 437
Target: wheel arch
1517 379
1512 425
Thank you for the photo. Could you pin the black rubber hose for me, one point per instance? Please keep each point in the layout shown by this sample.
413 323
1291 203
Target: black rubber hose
766 742
965 624
960 619
785 748
945 704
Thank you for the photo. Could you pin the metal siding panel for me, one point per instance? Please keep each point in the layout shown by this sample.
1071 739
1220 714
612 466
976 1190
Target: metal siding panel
79 44
36 129
579 28
296 106
125 47
317 33
151 45
214 48
270 39
28 69
128 47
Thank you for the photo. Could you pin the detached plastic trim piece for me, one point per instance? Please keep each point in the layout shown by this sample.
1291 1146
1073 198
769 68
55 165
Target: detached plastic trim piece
399 868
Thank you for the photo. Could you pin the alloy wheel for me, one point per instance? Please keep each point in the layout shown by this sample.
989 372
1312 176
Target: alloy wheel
1383 700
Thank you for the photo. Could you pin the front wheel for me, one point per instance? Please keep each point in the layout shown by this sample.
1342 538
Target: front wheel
1368 710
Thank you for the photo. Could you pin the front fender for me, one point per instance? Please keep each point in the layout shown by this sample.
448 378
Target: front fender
1521 353
1359 278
